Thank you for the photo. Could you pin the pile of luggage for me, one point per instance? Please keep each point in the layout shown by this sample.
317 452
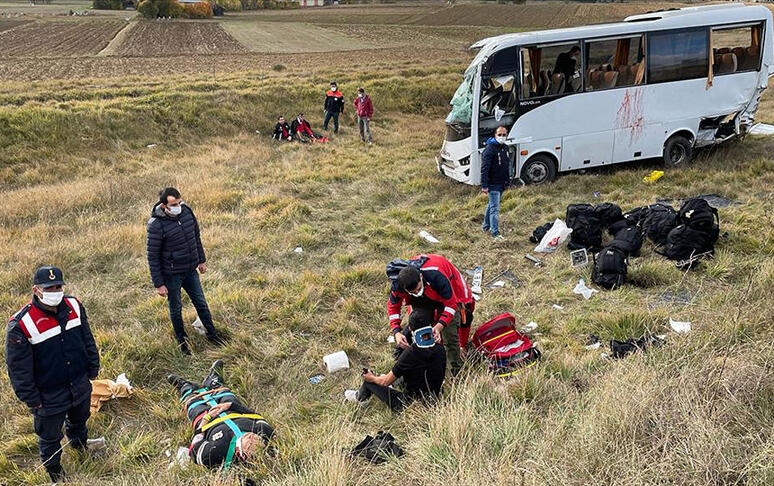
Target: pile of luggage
685 235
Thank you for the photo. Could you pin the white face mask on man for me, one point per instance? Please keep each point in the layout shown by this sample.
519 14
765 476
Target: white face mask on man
175 210
51 299
501 139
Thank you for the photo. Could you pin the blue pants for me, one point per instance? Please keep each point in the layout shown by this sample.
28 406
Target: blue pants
193 287
328 116
492 213
49 431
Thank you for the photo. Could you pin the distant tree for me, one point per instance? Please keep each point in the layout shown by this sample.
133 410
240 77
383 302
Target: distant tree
148 9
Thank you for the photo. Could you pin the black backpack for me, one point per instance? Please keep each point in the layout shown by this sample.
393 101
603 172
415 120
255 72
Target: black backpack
634 217
610 267
614 228
628 240
608 213
585 225
396 265
698 214
378 449
540 232
684 242
658 221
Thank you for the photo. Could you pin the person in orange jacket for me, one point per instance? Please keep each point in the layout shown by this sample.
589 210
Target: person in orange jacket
334 105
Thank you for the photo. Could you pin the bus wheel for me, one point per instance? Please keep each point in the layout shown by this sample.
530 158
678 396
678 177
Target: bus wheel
677 151
539 170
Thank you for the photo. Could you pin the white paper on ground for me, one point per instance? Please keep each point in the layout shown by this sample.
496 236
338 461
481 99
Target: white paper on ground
581 289
428 237
198 326
391 338
123 380
298 249
557 307
531 326
594 346
497 285
679 326
336 361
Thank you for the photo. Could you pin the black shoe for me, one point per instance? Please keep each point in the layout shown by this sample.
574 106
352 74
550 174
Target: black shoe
216 339
217 367
56 473
184 348
175 381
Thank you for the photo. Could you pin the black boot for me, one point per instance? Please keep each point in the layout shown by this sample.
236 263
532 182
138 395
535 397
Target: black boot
55 472
176 381
183 345
216 339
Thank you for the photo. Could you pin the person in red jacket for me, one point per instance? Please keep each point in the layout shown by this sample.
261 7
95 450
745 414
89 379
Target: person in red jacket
364 110
431 282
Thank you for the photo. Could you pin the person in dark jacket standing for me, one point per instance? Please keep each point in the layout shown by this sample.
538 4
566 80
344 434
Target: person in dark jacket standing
495 176
334 104
175 256
51 355
364 110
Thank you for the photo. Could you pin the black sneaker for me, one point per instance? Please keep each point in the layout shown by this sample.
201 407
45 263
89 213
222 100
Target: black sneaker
216 339
217 366
175 381
56 473
184 348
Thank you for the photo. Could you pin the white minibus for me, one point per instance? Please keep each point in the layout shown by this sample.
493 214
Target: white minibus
655 85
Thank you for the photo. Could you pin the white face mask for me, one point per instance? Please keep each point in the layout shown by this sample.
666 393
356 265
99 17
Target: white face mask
175 210
419 292
52 298
500 139
360 95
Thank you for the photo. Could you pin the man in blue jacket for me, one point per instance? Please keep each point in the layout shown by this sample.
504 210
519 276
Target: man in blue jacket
51 355
495 176
175 258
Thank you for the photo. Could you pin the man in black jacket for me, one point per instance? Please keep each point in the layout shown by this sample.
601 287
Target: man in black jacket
334 104
51 355
225 430
495 176
175 253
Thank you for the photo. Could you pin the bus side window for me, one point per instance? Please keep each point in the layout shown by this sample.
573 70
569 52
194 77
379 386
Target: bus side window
613 62
677 55
736 49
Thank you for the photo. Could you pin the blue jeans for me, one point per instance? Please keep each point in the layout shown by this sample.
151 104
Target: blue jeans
328 116
193 287
492 213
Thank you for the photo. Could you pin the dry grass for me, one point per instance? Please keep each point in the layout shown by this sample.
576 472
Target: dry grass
77 187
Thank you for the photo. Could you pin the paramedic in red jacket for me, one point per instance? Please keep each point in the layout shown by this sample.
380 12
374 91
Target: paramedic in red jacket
432 282
365 110
51 355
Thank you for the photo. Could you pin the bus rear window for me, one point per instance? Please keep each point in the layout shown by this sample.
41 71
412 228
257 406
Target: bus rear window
736 49
673 56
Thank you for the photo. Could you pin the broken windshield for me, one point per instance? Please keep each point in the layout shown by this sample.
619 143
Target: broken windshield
462 101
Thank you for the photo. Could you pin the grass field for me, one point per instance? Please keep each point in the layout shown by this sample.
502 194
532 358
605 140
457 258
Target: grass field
78 182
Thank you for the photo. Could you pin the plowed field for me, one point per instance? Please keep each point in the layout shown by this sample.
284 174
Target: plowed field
58 38
10 24
175 38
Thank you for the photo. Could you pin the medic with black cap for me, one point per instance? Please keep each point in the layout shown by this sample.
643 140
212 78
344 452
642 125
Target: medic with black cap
51 355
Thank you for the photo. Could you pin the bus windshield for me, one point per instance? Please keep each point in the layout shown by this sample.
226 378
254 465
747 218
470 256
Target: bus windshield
462 101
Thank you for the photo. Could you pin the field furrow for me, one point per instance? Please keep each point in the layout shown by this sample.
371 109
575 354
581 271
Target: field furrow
58 38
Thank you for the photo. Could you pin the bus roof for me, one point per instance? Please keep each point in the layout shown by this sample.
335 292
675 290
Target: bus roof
653 21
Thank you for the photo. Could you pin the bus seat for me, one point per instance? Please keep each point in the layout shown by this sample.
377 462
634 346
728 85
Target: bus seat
625 77
595 79
740 55
724 50
557 83
751 58
727 63
609 78
526 86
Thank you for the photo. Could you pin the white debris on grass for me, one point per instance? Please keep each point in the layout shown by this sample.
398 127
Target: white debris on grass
596 345
428 237
581 289
198 326
680 327
529 327
557 307
298 249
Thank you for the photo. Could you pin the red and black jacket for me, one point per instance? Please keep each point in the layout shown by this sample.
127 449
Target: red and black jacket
443 285
334 101
51 356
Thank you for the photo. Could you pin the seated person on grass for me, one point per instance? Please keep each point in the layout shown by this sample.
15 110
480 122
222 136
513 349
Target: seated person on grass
282 130
302 131
224 429
422 366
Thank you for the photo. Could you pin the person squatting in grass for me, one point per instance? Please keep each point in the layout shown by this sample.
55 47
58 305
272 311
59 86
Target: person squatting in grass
176 257
495 176
422 366
225 430
282 130
51 356
431 282
364 110
333 106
